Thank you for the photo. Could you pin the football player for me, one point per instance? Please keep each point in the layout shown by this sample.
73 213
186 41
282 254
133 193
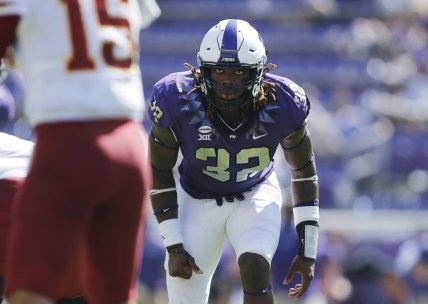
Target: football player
88 178
15 156
227 118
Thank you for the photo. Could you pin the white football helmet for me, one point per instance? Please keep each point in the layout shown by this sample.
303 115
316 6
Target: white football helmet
232 43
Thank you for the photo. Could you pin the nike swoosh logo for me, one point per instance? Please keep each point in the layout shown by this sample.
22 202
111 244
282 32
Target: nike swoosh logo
255 136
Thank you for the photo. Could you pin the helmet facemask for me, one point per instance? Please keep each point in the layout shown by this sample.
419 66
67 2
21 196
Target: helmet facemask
241 93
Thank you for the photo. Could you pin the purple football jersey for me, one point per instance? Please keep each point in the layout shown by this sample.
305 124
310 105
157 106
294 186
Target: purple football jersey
219 160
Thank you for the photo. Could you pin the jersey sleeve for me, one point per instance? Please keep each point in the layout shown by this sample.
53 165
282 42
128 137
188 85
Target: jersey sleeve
300 106
159 112
150 11
296 107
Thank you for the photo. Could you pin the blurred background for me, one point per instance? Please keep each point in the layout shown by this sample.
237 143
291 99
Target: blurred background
364 66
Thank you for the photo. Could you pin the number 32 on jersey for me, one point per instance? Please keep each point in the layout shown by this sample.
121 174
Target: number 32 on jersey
223 160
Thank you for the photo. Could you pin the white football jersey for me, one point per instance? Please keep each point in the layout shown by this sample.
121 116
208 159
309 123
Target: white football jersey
15 156
79 58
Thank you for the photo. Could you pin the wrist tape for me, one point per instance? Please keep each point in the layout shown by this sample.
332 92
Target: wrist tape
307 232
306 211
306 216
170 232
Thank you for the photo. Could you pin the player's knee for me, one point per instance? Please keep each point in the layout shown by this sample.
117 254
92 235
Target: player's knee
253 267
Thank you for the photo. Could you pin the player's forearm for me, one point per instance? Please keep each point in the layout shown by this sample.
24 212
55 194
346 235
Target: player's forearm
304 190
304 185
163 157
301 162
163 196
306 214
305 197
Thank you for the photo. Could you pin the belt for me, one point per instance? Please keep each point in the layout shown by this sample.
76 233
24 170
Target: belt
230 198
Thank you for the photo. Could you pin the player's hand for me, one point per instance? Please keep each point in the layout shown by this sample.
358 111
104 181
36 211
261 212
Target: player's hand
304 267
182 264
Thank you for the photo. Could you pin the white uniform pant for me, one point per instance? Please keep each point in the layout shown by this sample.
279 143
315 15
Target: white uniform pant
251 225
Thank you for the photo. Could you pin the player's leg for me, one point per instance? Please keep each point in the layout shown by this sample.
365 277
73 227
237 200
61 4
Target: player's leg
255 276
114 247
28 274
71 289
115 234
8 191
253 230
202 224
51 215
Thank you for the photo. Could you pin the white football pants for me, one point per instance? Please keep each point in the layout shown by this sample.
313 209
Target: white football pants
251 225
